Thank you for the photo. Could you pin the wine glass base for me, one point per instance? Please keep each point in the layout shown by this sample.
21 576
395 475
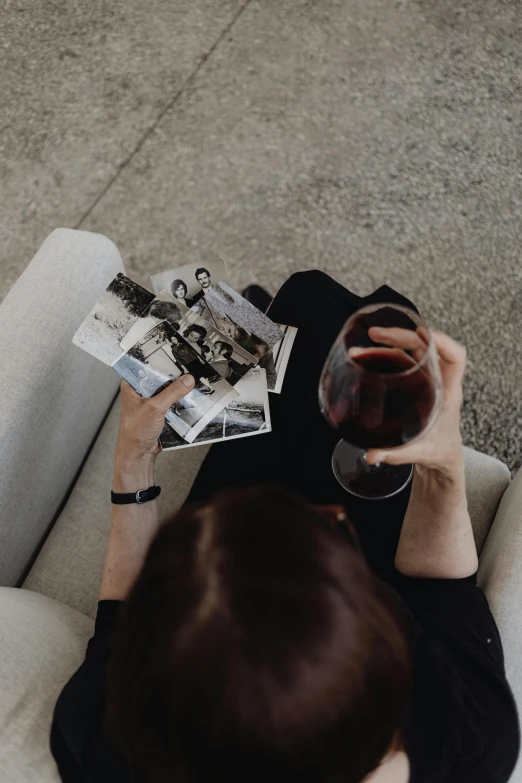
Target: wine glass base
372 482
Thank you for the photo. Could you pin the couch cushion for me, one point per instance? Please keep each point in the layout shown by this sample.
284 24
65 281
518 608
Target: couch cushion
70 565
42 643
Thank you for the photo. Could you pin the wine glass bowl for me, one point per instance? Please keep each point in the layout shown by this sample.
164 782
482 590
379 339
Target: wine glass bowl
380 388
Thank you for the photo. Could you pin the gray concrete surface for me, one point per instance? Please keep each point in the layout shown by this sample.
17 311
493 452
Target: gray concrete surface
376 140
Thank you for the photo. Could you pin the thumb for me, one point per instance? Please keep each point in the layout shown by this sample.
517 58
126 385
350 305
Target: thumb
174 392
373 456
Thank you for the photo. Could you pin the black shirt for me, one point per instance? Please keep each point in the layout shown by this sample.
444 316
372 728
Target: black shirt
200 294
463 724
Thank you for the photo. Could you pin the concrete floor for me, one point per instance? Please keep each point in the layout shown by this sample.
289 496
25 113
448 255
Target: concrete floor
378 140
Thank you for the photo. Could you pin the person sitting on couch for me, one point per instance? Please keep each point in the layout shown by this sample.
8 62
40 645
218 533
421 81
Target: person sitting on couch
280 629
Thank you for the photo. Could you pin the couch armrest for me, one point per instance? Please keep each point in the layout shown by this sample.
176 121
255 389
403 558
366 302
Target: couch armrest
53 395
42 644
486 481
500 577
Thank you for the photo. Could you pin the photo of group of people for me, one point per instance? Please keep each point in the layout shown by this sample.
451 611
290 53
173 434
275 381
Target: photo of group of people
228 359
238 319
189 283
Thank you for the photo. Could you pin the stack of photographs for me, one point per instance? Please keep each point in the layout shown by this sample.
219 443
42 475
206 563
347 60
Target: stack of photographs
194 323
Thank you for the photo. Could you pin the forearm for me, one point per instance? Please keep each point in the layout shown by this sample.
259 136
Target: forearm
437 538
133 527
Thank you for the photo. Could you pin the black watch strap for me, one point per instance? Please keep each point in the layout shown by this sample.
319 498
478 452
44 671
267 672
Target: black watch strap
141 496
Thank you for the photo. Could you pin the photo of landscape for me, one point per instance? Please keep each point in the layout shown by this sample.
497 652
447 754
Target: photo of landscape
248 414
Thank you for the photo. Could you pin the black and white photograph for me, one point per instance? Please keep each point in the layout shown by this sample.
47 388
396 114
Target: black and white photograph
161 356
239 320
162 308
190 282
248 414
278 359
230 360
110 319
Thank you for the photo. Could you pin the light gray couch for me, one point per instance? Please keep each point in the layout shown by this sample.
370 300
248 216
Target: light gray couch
58 421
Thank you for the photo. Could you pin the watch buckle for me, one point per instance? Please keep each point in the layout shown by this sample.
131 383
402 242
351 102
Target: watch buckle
138 496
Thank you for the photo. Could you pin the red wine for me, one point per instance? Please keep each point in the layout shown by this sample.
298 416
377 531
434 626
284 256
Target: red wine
373 405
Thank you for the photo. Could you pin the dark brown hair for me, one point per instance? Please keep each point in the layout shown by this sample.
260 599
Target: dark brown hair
257 645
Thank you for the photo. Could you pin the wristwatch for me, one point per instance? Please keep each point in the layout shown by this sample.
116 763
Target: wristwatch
141 496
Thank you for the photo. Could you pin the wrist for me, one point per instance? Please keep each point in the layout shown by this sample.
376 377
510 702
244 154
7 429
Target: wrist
442 477
132 474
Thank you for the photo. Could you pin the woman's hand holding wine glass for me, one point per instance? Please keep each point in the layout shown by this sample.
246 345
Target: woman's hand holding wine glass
440 447
436 539
393 390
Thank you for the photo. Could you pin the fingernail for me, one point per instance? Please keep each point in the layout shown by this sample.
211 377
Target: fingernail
188 380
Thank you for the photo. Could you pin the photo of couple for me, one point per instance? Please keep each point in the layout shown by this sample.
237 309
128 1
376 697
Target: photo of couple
179 287
188 284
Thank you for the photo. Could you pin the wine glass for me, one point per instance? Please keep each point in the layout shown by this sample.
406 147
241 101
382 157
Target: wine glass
380 388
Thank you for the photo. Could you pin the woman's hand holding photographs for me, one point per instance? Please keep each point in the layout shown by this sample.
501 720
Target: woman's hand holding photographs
142 420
